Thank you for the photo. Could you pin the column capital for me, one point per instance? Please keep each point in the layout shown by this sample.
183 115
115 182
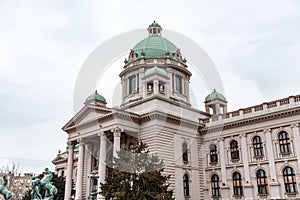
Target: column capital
243 135
295 125
80 141
267 130
117 131
101 134
70 143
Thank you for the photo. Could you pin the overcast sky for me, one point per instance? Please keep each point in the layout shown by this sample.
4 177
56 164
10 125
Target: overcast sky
254 44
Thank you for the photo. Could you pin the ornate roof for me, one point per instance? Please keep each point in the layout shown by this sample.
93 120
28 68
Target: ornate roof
96 96
155 69
215 95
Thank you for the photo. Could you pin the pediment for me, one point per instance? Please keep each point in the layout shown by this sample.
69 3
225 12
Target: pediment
87 113
59 158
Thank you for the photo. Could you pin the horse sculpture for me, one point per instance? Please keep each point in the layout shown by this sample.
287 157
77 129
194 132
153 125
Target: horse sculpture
46 184
6 193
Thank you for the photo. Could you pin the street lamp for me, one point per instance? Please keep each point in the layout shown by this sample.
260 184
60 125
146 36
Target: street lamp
93 194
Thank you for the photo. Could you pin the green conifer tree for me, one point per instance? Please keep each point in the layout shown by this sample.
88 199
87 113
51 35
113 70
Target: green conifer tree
136 175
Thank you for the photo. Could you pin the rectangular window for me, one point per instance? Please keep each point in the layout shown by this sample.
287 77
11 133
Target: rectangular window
132 84
178 84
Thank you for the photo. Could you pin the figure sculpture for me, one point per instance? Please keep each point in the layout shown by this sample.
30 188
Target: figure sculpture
6 193
45 183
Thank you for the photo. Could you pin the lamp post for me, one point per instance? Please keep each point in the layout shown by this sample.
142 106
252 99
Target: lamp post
93 194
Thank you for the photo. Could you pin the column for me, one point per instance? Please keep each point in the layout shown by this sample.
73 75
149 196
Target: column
222 161
117 141
69 172
247 186
102 163
245 158
88 148
224 187
270 153
274 185
296 134
78 195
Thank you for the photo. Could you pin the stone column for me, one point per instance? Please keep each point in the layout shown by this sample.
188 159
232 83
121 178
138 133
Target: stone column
117 141
102 163
69 172
274 185
78 195
245 158
248 186
224 187
296 134
88 148
222 161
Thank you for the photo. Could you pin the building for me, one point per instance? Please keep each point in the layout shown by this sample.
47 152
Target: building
250 153
18 184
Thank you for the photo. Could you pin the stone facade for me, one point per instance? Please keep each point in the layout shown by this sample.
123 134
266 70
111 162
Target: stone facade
250 153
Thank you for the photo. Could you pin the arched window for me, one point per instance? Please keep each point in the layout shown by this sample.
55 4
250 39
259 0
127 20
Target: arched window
186 187
289 180
234 150
185 153
213 153
258 147
284 142
262 183
237 184
215 187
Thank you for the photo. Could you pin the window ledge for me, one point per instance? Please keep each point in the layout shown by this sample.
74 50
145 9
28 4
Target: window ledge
291 194
263 196
235 160
213 163
237 196
216 197
258 157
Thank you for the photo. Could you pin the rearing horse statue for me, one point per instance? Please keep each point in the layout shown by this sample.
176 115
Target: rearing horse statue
6 193
51 190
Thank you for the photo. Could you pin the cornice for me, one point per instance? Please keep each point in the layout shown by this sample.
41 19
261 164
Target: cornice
252 120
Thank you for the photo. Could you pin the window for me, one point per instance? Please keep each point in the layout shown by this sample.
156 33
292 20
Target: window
185 153
262 183
213 154
215 187
284 142
178 84
234 150
237 184
150 87
132 84
258 147
161 87
186 189
289 180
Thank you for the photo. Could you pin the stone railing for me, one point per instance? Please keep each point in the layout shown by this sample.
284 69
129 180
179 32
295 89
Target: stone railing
256 109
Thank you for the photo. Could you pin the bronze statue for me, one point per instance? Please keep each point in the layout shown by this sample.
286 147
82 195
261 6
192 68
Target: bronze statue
45 183
6 193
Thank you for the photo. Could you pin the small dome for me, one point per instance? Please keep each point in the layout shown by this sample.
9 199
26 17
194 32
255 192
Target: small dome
156 69
215 95
96 96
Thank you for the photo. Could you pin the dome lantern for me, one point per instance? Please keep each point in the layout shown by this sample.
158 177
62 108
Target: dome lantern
154 29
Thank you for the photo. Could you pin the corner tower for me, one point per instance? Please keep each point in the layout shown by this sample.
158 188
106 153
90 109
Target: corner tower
155 69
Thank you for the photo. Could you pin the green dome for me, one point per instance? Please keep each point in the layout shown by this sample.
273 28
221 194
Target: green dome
96 96
215 95
155 69
155 46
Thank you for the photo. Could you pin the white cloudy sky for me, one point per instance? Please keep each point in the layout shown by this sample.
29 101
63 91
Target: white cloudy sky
255 45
